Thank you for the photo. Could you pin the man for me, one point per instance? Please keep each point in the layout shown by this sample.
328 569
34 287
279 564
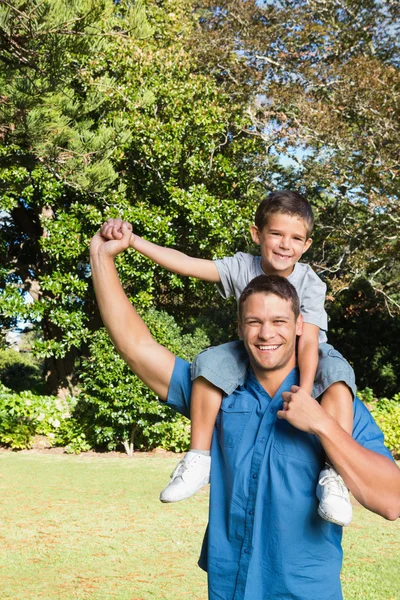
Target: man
265 538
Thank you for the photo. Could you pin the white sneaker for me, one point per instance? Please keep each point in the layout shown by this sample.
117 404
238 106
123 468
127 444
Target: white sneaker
334 499
190 474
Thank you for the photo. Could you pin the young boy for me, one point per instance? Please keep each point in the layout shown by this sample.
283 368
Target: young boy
282 229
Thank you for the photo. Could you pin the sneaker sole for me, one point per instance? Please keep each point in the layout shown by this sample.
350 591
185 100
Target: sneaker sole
185 497
326 517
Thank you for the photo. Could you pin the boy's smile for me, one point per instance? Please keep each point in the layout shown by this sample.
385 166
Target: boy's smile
282 242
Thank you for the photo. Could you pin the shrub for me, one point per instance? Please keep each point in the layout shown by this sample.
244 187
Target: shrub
118 408
24 415
20 371
387 415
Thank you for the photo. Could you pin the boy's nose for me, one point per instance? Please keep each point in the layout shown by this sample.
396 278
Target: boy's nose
285 243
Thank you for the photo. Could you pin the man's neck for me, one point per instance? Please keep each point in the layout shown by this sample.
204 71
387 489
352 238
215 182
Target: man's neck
271 381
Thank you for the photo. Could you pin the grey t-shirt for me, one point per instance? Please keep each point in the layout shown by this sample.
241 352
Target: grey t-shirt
237 271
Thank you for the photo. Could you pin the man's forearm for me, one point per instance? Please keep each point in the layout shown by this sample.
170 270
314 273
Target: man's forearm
151 362
373 479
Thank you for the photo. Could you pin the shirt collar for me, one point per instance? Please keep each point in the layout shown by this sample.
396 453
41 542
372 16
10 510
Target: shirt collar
252 383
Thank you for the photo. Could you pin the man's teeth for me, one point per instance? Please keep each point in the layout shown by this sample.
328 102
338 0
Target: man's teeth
268 347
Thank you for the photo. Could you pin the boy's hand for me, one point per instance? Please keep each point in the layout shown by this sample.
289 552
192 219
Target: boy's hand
113 238
301 410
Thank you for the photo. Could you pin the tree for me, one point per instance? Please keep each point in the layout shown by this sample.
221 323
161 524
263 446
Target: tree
98 120
177 118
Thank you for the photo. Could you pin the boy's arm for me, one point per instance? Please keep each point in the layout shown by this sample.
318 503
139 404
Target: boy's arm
372 478
170 259
308 356
151 362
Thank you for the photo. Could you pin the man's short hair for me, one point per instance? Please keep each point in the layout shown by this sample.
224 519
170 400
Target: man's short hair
288 203
271 284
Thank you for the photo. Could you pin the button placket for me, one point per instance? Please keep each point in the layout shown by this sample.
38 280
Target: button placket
264 431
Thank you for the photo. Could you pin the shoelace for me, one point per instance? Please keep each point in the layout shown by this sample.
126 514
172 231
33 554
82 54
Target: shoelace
180 468
335 484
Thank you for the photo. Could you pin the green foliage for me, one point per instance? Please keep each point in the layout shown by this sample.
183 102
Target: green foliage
387 415
21 371
177 118
368 336
72 436
24 415
118 407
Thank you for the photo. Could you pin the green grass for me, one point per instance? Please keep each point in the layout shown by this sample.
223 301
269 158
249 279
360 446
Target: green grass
80 528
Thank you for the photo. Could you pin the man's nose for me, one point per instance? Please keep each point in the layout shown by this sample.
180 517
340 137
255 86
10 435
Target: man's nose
266 331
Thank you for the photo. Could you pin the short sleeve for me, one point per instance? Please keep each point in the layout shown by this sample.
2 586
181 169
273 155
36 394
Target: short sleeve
366 432
235 273
227 267
180 388
313 302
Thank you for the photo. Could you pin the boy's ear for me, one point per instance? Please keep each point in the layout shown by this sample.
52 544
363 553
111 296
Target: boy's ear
307 244
255 234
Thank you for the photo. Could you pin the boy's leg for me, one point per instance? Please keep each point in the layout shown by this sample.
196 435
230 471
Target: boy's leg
193 471
204 406
335 505
340 407
336 386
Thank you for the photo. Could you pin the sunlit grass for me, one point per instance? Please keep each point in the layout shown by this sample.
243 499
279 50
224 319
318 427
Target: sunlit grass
93 528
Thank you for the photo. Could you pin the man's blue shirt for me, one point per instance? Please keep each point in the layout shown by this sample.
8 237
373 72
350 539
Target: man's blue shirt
265 539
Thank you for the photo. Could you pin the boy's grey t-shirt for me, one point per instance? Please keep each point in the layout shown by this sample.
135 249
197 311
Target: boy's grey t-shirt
237 271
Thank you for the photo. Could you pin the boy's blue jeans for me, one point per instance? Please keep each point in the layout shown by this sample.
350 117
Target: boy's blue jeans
226 367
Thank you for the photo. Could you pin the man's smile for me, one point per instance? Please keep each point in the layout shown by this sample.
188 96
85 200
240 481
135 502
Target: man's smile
268 348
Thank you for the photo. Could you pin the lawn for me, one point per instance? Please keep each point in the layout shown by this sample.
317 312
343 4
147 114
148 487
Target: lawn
81 527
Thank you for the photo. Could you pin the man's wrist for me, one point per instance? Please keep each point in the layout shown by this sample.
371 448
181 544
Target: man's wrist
324 426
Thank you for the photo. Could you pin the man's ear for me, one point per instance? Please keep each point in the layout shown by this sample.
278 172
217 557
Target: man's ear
240 329
255 234
307 245
299 325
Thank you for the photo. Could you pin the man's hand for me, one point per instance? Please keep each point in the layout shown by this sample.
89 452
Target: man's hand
301 410
113 238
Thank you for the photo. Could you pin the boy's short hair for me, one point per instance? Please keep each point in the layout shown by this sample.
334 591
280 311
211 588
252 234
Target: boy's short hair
271 284
288 203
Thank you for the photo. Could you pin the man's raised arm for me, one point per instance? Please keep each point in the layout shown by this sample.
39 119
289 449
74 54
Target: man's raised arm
150 361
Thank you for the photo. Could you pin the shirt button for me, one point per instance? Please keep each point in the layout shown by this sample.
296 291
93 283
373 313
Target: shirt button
251 512
271 410
255 475
262 440
230 405
246 551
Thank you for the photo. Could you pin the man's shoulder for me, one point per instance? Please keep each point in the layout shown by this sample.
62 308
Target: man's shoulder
366 431
180 388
